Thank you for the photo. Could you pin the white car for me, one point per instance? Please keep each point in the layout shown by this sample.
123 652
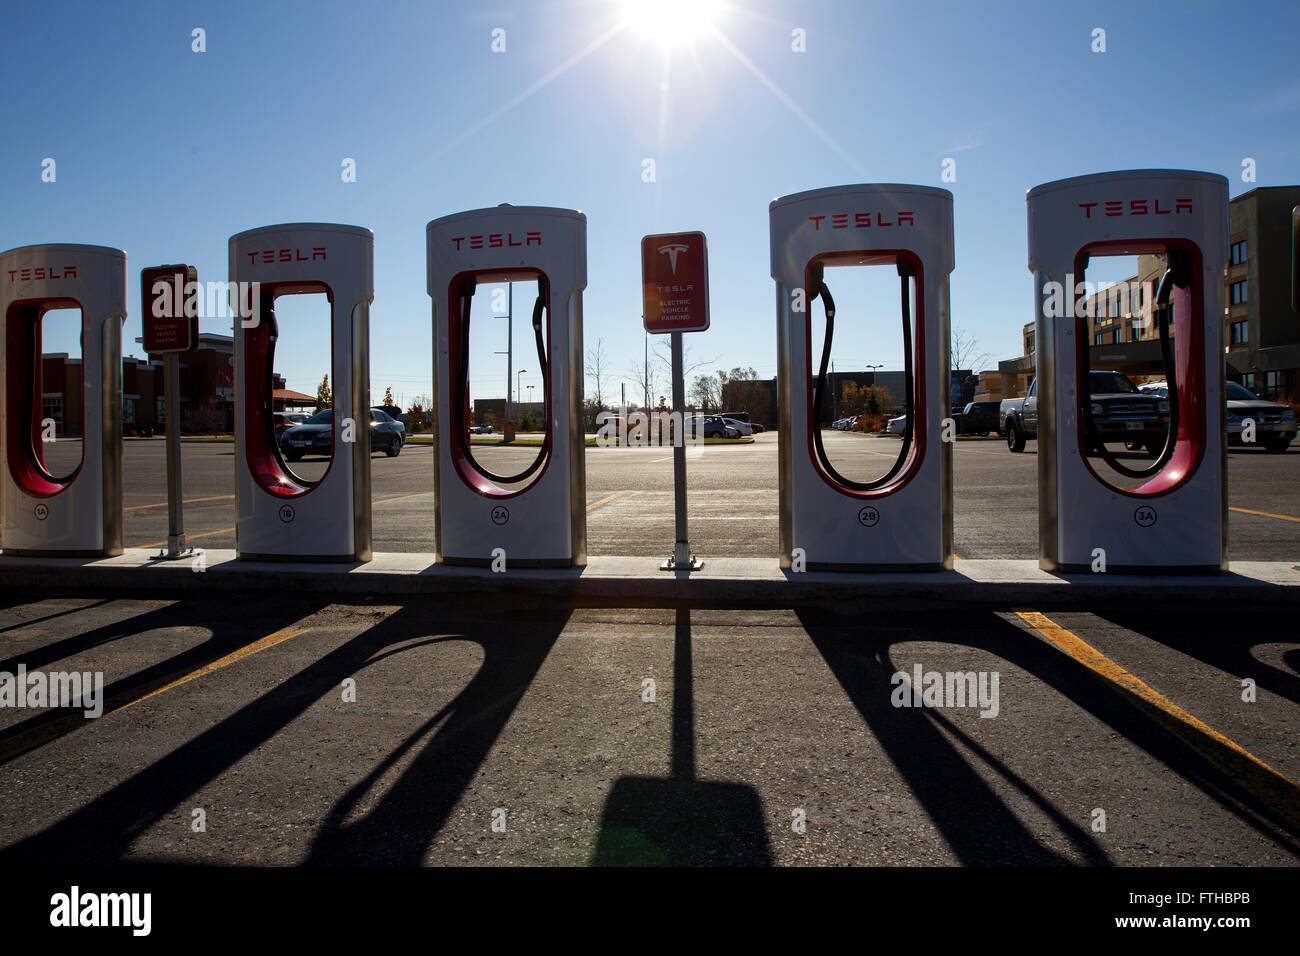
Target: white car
896 426
738 425
1275 425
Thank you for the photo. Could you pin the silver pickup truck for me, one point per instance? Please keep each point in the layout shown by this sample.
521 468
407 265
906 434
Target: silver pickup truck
1119 410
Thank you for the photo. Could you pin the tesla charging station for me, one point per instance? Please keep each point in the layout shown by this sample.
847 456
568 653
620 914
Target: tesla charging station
902 520
1176 518
79 514
537 516
279 514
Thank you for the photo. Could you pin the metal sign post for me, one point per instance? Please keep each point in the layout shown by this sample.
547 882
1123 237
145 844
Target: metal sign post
171 328
675 288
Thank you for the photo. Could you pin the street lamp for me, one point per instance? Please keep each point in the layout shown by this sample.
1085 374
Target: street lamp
530 393
873 368
519 385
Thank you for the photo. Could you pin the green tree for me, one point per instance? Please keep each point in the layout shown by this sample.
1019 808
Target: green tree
415 418
324 397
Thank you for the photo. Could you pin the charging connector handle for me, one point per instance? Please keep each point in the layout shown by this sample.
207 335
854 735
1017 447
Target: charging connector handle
1177 274
819 289
462 398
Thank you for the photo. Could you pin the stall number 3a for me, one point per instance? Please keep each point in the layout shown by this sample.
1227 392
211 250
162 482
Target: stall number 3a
1145 516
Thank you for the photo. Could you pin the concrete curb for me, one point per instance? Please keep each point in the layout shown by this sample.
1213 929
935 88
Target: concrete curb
752 582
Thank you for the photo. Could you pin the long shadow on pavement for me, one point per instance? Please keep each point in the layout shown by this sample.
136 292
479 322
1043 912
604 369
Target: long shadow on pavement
978 826
411 813
682 820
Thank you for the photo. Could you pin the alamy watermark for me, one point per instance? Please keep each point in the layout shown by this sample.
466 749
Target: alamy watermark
949 689
651 429
1083 299
37 689
207 300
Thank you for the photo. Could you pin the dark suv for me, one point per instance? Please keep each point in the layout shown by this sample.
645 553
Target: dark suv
978 418
1123 413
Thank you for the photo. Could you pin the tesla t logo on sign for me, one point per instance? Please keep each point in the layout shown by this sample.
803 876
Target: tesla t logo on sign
675 282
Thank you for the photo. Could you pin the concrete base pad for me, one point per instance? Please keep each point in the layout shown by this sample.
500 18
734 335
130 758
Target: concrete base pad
756 582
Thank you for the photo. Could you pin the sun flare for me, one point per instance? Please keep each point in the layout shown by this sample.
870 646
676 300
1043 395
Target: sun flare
671 21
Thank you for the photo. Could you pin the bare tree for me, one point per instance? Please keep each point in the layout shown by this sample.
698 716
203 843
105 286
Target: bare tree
964 350
645 380
704 393
597 371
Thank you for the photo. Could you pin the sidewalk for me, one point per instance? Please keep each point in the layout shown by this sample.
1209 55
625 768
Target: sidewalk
752 582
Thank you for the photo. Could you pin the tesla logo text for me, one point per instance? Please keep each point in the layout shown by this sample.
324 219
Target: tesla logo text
498 240
864 220
42 272
672 251
287 255
1136 207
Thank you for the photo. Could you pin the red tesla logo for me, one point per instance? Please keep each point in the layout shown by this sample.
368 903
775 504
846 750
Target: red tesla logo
287 255
498 240
41 273
864 220
1136 207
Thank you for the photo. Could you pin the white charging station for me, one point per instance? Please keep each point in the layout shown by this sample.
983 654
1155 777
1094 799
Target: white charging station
1176 519
280 516
902 521
79 514
537 517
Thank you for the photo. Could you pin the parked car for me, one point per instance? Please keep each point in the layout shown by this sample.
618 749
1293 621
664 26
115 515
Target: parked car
978 418
480 429
387 433
711 426
742 427
285 420
315 436
756 427
1275 425
1019 417
1120 412
896 426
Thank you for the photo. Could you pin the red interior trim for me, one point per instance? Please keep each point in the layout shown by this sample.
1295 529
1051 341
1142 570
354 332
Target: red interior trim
261 449
457 339
919 377
1189 365
23 380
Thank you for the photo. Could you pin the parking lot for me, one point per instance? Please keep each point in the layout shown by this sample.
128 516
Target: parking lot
732 497
316 728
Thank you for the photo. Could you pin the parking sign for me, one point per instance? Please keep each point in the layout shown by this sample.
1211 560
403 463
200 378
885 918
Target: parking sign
675 282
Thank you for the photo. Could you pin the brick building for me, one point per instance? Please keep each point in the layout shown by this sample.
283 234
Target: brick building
207 382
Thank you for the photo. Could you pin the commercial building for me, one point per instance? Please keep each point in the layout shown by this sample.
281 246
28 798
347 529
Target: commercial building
1261 332
207 379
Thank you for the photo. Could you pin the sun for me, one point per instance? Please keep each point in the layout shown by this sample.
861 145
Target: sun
671 21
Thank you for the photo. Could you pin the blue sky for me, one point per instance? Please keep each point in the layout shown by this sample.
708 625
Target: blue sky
166 153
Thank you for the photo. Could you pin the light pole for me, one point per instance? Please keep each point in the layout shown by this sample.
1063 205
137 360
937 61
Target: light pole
510 340
519 384
530 393
872 369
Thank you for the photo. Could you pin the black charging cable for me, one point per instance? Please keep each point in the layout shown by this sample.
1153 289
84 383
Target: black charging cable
1177 274
462 433
819 289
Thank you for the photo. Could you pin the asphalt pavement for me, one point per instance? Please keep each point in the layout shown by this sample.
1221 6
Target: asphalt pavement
732 497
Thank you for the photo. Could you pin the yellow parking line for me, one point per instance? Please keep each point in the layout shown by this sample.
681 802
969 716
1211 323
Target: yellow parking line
1264 514
188 537
607 499
1274 788
187 501
57 728
418 494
